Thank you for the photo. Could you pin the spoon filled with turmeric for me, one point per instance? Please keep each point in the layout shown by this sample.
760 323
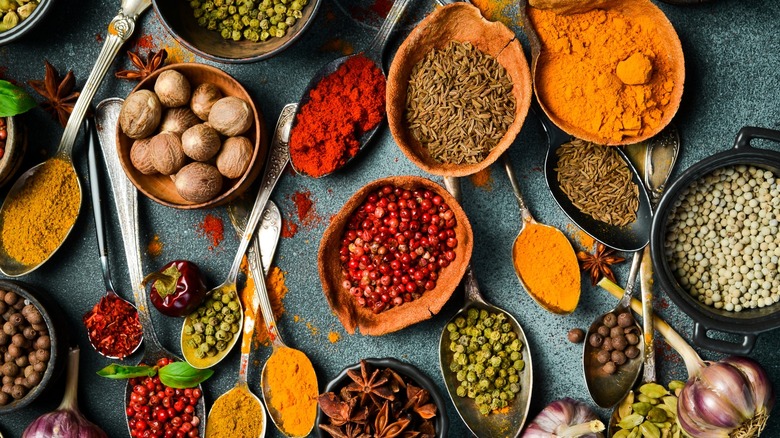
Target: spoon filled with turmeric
544 260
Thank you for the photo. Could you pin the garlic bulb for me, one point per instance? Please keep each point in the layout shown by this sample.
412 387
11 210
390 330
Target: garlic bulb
565 418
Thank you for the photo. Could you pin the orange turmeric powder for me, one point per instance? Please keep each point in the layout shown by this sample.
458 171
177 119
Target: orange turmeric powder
292 390
605 71
548 266
277 289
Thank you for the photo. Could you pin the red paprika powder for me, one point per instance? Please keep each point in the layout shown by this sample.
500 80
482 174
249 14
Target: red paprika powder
343 106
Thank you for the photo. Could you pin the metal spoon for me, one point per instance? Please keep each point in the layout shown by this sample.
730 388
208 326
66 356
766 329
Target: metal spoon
119 30
606 390
508 424
526 221
268 236
126 201
277 161
375 52
100 228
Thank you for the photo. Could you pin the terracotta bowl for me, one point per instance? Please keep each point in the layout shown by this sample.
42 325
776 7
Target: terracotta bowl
160 188
673 53
15 148
344 305
178 19
459 22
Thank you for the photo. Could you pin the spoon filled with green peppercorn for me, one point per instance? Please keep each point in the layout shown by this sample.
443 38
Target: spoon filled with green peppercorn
485 361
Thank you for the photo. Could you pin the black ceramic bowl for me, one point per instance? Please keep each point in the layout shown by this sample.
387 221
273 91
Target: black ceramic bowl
26 26
52 316
750 322
178 19
441 422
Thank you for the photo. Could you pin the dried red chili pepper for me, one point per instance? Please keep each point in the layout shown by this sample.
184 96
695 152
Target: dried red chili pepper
177 289
113 326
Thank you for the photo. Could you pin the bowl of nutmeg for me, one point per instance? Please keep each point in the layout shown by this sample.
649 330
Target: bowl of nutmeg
31 347
189 136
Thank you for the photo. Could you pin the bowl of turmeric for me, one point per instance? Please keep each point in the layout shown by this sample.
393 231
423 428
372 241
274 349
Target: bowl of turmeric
394 254
610 75
458 91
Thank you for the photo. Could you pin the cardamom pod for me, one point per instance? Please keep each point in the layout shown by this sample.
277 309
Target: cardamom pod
641 408
653 390
649 430
657 415
631 421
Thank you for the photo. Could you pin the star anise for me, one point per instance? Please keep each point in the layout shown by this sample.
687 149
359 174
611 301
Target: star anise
367 386
341 412
350 431
417 400
143 68
383 428
59 94
599 264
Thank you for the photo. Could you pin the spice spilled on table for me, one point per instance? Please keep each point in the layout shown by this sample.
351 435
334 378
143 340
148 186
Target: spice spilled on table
113 326
343 106
213 229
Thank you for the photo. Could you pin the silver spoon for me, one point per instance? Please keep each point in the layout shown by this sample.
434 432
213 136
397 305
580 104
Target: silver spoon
119 30
508 424
100 229
375 52
277 161
659 157
126 201
607 390
268 236
526 221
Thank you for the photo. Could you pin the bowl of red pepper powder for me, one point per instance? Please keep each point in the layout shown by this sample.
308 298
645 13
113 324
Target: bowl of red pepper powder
339 114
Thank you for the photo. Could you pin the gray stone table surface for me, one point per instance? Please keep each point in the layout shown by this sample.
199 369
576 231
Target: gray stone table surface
732 55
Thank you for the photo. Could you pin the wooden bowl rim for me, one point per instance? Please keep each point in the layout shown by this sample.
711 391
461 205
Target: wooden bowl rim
260 134
675 53
397 82
350 314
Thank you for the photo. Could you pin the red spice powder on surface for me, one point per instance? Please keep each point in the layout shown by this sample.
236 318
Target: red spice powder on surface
143 42
303 204
213 229
344 105
155 247
289 228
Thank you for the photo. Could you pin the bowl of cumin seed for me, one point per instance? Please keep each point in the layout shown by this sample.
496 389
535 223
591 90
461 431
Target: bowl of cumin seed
458 91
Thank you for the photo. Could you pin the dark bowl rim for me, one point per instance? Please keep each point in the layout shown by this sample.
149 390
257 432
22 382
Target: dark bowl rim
406 369
701 313
32 295
26 25
315 5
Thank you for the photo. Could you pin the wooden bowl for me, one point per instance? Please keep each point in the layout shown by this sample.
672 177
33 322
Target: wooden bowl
15 148
160 188
459 22
350 313
673 53
178 19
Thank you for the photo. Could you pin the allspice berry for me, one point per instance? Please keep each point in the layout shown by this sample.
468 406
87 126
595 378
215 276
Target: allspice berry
178 120
140 114
603 356
141 156
172 88
198 182
610 320
203 98
234 158
576 335
201 142
632 352
595 340
609 368
167 154
231 116
625 320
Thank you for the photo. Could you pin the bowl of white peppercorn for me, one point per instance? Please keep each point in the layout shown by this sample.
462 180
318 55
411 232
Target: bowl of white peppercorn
31 345
715 244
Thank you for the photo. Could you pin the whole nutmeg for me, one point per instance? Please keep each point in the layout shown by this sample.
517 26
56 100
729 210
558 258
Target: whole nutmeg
198 182
167 155
178 120
231 116
141 156
172 88
140 114
234 157
201 142
203 98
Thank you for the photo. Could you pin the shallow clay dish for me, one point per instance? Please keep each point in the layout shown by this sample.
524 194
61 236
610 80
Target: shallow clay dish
673 53
459 22
160 188
15 148
349 312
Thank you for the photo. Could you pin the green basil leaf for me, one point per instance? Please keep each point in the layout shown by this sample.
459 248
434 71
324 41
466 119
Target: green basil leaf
181 375
14 100
114 371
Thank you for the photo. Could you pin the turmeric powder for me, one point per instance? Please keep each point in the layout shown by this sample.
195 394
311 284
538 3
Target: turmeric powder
546 263
606 72
39 216
236 414
292 390
277 289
